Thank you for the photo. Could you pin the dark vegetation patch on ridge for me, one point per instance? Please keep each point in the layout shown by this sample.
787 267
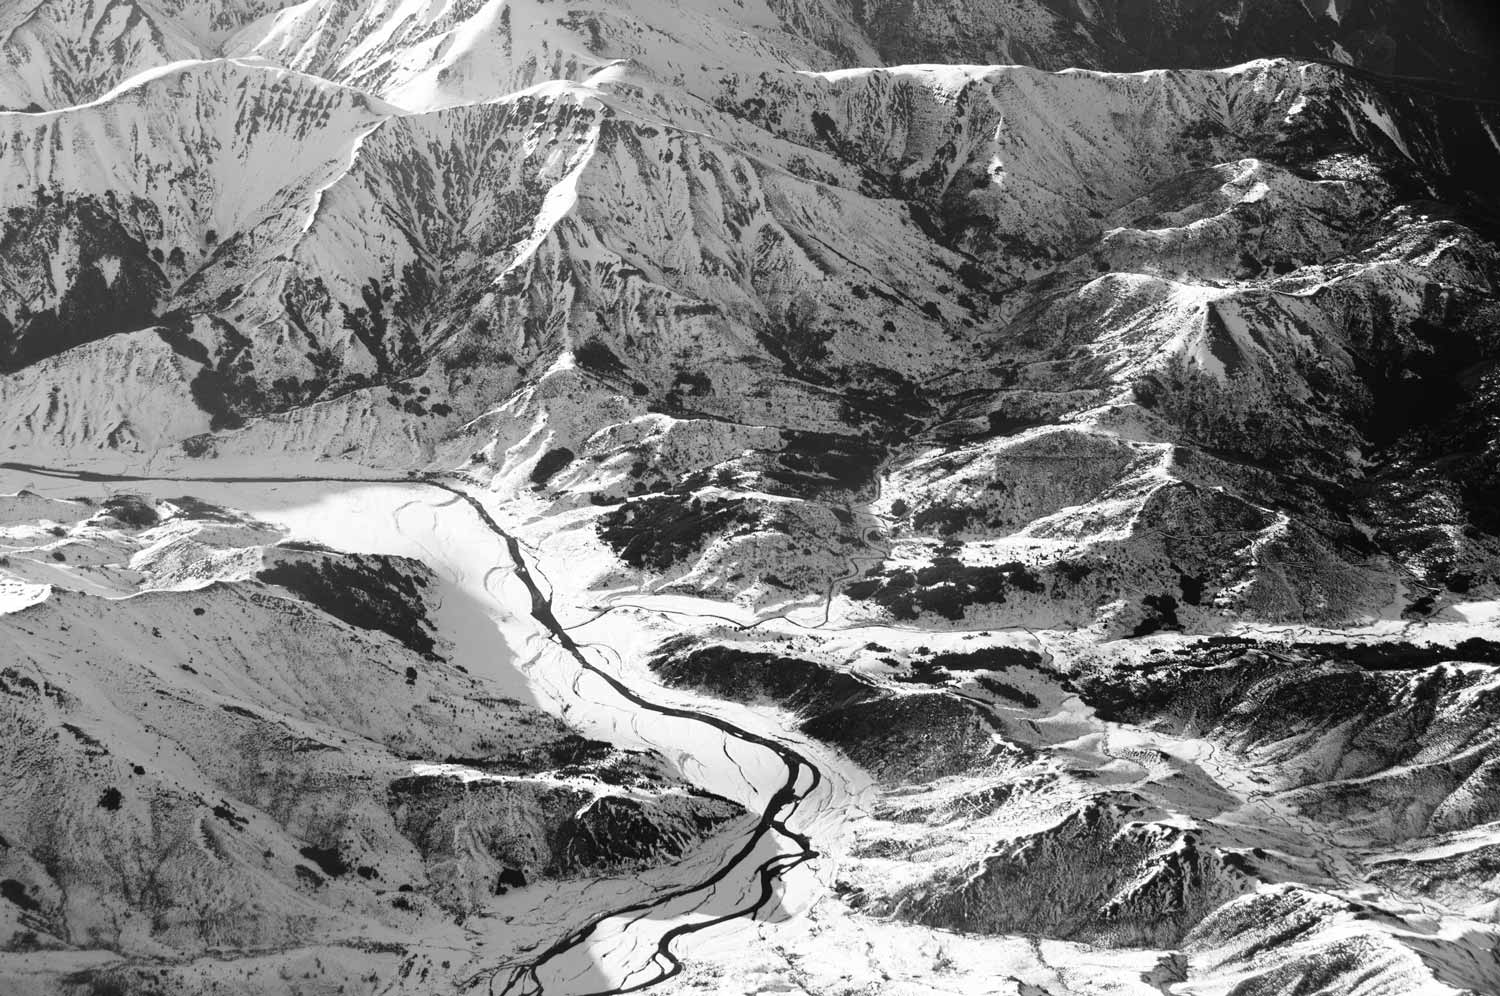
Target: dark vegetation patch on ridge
897 737
368 592
747 676
945 587
553 462
658 531
1321 677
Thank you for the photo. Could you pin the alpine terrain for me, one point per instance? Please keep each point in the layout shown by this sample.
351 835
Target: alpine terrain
828 497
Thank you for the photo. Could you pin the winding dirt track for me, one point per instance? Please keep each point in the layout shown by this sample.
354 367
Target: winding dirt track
801 780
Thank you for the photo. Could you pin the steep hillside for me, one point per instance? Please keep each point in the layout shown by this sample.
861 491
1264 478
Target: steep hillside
221 743
1210 267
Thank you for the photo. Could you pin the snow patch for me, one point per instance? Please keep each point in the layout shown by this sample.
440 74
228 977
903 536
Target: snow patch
16 594
1386 124
1495 141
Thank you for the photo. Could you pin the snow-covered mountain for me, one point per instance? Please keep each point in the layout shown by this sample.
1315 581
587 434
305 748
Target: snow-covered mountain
1070 432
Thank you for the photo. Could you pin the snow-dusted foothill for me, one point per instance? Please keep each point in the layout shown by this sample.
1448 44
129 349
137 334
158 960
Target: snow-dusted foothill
222 738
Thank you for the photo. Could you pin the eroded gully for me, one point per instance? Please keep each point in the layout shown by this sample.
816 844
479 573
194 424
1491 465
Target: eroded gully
758 873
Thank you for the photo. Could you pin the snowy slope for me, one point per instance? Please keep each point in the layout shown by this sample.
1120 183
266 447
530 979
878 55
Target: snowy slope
223 742
1078 483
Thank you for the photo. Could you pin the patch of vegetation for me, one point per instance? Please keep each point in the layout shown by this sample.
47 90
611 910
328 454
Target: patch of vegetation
942 518
567 752
825 127
13 682
746 676
598 358
307 546
224 386
1406 656
1007 691
367 592
794 336
371 324
91 745
326 858
658 531
1192 589
1003 423
814 462
509 878
131 510
91 307
199 446
915 737
1304 686
15 892
224 812
614 831
1161 615
988 659
925 673
197 508
696 382
946 587
551 463
1147 392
